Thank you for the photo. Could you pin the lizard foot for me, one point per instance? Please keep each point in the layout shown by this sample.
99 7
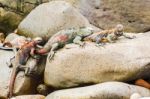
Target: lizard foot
100 45
82 45
9 95
132 37
52 53
27 71
9 64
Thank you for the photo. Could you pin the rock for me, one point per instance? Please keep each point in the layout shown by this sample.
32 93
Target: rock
107 90
49 18
21 7
14 40
4 72
125 60
23 84
9 20
29 97
138 96
135 96
11 37
43 89
107 13
14 12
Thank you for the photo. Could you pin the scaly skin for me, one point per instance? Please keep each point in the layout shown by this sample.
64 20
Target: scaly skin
64 37
21 58
107 35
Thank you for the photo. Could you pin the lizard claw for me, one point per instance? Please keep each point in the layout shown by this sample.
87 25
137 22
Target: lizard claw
27 71
9 64
51 55
82 44
133 37
100 44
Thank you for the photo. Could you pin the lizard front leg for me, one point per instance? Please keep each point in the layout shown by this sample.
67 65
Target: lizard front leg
78 41
52 51
99 41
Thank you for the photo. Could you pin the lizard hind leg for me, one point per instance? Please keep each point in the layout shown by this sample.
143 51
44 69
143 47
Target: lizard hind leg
52 51
99 41
25 69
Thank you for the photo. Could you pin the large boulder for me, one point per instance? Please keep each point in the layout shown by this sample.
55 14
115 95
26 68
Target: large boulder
107 13
23 84
108 90
49 18
125 60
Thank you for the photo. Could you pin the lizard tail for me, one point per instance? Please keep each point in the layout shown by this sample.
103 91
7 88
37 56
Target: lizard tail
12 81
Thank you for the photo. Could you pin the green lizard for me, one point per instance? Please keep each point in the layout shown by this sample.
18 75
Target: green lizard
63 37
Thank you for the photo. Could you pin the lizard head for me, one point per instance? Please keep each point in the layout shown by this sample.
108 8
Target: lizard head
119 30
38 40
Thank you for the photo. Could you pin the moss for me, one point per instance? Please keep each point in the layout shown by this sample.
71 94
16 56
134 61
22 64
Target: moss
9 21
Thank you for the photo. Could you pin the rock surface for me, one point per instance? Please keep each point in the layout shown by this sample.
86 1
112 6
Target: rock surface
29 97
23 84
107 13
49 18
125 60
108 90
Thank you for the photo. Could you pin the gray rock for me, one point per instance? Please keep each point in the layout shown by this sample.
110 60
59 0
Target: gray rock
14 12
107 90
125 60
21 6
49 18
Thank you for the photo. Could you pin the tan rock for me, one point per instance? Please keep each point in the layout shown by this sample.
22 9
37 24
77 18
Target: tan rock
107 90
125 60
11 37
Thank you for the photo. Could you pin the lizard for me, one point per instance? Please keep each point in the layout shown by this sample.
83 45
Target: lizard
21 57
63 37
15 43
110 35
